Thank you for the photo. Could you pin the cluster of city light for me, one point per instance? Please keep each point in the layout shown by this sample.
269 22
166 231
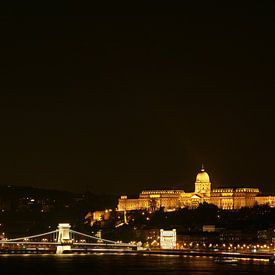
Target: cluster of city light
229 246
154 241
80 241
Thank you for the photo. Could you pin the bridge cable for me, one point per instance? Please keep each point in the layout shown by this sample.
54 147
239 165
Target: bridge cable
33 236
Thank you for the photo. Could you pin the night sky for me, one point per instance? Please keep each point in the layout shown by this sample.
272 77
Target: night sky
118 104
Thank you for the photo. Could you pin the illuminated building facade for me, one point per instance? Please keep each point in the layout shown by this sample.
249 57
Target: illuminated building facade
168 239
225 198
98 216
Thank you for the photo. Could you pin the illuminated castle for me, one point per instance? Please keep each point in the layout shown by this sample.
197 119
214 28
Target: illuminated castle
225 198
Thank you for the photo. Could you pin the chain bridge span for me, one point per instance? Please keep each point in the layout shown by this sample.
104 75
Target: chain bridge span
62 240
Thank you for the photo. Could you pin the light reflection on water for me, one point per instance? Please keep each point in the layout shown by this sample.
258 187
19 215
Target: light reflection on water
101 263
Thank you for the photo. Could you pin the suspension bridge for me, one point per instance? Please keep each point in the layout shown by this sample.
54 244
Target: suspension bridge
62 240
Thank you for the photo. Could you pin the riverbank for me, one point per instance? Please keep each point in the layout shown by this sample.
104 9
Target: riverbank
211 253
244 255
265 256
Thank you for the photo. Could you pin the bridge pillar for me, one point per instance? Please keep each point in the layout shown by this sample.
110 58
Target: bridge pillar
64 238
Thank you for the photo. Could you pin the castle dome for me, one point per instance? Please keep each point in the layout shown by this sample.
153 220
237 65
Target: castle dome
202 176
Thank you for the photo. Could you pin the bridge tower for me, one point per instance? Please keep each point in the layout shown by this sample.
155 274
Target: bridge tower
64 238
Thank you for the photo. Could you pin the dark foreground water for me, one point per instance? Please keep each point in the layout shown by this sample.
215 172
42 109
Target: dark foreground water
126 264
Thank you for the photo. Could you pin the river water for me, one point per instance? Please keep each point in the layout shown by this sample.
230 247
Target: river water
126 264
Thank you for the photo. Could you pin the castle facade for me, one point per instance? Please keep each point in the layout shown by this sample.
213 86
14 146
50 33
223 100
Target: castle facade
170 200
